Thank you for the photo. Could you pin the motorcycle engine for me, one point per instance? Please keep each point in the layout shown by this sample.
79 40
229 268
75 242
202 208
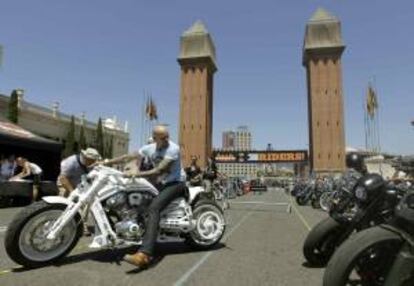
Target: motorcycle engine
127 209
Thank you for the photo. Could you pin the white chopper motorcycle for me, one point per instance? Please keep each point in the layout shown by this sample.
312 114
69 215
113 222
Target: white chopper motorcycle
48 230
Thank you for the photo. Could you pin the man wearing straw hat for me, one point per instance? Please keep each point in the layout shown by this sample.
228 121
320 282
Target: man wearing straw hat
73 167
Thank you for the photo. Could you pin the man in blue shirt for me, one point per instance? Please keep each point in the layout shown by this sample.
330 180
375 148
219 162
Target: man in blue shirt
166 176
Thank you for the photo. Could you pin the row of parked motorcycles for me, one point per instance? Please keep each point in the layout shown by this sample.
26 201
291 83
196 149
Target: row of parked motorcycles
368 237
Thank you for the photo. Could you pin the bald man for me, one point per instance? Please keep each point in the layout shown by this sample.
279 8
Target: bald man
166 176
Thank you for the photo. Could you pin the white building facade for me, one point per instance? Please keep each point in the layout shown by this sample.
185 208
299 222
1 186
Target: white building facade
52 124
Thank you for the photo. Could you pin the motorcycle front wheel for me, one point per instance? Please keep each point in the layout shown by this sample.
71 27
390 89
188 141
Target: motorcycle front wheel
209 225
26 242
322 241
364 259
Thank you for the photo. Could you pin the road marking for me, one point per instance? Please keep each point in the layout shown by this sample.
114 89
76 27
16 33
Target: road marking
7 271
3 228
298 213
203 259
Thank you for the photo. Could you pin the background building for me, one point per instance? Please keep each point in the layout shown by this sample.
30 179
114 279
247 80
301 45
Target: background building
241 140
238 169
229 140
52 124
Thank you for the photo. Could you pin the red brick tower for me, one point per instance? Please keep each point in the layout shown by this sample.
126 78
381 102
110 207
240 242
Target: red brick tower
322 52
198 64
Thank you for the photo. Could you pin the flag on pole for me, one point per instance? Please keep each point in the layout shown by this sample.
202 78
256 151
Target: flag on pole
372 102
151 109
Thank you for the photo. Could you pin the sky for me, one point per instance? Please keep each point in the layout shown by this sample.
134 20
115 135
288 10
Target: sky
98 56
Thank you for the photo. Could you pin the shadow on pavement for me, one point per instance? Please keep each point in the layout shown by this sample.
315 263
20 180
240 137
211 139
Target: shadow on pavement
116 256
311 266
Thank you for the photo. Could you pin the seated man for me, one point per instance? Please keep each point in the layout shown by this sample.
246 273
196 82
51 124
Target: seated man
166 175
30 171
193 173
210 174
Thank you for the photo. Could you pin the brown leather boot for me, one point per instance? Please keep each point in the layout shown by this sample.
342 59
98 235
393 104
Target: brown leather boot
138 259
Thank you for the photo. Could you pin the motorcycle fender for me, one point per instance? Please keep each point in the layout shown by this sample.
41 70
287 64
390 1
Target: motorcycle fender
56 200
402 269
194 192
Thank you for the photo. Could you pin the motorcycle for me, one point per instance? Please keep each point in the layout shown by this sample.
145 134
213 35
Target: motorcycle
305 194
371 202
47 231
382 255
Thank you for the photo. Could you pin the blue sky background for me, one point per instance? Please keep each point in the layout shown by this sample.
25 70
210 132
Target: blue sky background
99 55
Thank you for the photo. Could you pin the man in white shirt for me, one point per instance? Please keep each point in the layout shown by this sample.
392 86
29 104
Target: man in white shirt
30 171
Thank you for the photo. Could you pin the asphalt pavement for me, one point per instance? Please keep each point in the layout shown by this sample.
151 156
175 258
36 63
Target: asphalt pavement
262 246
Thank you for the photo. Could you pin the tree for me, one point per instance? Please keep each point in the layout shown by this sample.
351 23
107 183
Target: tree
100 138
82 138
13 111
70 147
109 148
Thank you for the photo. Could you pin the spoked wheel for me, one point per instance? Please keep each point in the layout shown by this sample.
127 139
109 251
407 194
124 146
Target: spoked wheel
364 259
209 225
325 201
26 242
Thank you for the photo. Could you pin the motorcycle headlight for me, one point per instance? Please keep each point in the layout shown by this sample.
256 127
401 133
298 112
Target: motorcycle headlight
361 193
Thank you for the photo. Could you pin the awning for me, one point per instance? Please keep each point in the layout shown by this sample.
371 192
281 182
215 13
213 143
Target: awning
14 135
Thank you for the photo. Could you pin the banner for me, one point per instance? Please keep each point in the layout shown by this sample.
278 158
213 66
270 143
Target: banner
293 156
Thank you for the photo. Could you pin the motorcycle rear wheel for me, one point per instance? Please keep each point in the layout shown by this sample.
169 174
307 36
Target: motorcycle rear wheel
210 225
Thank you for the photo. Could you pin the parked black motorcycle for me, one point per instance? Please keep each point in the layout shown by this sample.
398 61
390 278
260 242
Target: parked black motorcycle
371 202
305 194
378 256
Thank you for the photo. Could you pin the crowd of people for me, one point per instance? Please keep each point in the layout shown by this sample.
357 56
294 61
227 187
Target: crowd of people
17 169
